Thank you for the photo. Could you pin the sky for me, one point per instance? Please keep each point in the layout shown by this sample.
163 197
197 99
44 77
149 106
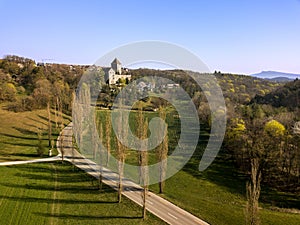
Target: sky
236 36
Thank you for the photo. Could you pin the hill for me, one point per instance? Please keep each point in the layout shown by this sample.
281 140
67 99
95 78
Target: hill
285 96
238 89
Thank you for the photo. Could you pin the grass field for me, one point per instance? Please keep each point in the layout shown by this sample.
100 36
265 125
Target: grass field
55 193
216 195
18 134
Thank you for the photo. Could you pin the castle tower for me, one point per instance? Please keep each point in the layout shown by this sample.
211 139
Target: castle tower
116 66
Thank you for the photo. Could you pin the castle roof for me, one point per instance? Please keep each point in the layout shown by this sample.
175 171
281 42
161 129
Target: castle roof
116 61
106 69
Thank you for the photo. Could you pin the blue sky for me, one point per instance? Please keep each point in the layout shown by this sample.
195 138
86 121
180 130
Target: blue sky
238 36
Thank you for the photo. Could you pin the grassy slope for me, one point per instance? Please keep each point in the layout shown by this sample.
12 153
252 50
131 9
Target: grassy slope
216 195
54 193
18 134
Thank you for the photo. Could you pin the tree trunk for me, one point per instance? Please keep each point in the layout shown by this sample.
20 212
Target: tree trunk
162 152
55 112
121 129
120 185
100 155
253 193
100 180
49 124
144 202
61 145
108 136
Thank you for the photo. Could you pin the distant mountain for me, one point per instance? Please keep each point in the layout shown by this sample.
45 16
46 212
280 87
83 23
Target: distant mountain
276 76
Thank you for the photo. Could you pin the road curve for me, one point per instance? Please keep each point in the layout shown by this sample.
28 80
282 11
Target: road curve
155 204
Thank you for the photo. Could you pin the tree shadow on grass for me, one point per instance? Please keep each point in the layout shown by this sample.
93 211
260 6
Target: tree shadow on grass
279 199
69 180
65 168
39 121
66 117
223 173
62 178
32 168
78 189
20 137
61 201
25 131
220 172
31 155
86 217
52 121
19 144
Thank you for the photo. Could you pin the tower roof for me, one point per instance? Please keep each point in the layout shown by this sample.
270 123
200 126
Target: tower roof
116 61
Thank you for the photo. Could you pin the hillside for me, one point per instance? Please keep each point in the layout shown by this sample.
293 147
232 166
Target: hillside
286 96
236 88
25 85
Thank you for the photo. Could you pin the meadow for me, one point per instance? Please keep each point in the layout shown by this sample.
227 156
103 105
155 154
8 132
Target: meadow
19 134
56 193
218 194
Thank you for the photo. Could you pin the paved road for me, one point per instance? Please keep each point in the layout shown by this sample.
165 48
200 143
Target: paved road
55 158
158 206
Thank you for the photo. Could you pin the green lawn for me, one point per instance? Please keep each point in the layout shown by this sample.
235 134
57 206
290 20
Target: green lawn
216 195
18 134
55 193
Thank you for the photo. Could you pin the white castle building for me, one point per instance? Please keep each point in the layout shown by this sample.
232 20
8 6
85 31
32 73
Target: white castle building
114 73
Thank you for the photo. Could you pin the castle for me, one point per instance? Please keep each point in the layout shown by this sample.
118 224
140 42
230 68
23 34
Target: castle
114 74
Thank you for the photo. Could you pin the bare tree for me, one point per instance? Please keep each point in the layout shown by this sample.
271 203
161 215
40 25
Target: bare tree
42 94
121 160
40 147
94 139
49 123
253 193
264 154
61 145
162 152
108 136
60 115
144 166
122 126
58 92
56 112
81 113
77 118
100 158
139 134
142 129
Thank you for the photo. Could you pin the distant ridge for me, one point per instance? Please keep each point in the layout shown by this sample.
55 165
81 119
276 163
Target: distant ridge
284 96
276 76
